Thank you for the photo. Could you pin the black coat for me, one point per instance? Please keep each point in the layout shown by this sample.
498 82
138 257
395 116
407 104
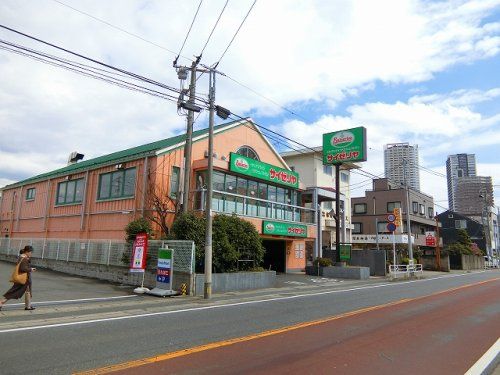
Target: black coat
18 290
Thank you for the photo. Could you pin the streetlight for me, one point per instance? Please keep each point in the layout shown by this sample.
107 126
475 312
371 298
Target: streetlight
485 219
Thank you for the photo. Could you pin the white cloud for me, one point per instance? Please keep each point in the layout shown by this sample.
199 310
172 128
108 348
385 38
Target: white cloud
311 52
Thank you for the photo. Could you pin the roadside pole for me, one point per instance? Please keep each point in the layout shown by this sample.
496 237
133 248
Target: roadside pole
207 290
438 249
189 139
337 212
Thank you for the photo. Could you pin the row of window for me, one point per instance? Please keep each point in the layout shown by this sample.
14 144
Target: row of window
112 185
418 208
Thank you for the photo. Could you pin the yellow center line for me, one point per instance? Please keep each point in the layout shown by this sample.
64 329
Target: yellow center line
219 344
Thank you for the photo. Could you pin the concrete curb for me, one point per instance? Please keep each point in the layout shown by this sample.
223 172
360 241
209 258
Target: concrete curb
488 362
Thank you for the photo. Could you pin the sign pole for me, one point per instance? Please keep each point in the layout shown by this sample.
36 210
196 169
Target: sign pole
337 212
393 249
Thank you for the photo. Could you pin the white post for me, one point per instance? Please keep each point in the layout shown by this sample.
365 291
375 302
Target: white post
58 247
109 253
67 256
43 248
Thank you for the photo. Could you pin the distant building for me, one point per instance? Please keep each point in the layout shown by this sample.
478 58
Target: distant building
473 195
452 221
401 164
369 215
458 166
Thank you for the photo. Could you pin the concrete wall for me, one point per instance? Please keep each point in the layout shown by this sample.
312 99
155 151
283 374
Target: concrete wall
229 282
357 273
114 274
472 262
374 259
429 263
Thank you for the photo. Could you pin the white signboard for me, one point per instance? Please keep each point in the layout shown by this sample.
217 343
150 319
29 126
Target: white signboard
382 238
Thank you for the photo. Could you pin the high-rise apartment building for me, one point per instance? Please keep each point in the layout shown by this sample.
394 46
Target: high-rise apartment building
401 164
457 167
473 195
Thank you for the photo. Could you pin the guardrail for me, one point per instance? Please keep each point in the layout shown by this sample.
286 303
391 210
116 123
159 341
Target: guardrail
405 271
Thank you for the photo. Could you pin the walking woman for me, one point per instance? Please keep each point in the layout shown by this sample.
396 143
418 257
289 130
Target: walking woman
17 289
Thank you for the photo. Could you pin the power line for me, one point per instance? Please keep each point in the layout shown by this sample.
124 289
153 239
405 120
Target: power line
137 76
87 72
118 28
234 36
179 54
189 31
213 29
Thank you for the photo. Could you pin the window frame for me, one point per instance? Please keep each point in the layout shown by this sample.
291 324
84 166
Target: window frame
77 198
112 175
176 171
30 194
414 207
395 203
360 228
359 204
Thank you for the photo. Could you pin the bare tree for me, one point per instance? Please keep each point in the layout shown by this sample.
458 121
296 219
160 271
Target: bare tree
161 207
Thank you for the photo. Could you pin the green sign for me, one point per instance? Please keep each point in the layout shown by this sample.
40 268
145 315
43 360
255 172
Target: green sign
279 228
345 252
347 145
263 171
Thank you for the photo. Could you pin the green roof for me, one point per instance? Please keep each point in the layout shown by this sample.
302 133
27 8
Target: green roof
115 157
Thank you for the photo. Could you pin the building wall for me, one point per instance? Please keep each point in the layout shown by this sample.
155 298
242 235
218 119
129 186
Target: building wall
376 202
458 166
95 219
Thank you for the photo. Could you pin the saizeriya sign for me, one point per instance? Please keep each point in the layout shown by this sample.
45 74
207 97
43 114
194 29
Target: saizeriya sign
263 171
279 228
347 145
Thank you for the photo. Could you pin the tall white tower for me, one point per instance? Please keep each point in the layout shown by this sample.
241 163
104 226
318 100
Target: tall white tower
401 164
457 167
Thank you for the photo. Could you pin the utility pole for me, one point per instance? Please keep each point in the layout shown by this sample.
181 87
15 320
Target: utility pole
189 138
438 249
207 290
408 224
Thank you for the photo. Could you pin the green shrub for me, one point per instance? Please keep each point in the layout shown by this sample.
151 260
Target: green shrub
233 239
137 226
323 262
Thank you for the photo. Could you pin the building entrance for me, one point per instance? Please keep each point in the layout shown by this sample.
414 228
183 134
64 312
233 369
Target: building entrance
275 256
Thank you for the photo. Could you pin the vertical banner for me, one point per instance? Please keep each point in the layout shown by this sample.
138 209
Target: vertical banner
139 253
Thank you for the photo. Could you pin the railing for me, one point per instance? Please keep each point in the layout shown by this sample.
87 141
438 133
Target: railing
105 252
405 270
243 205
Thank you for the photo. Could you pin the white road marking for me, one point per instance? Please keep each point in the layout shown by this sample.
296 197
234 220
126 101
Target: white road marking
64 301
213 307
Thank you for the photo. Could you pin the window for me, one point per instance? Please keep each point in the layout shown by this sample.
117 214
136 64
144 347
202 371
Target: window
360 208
430 212
70 192
328 205
344 177
415 207
328 169
460 224
392 205
30 194
422 209
118 184
248 152
174 182
358 228
382 227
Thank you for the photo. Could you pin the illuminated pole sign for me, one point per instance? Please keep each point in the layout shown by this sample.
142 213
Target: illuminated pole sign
263 171
342 146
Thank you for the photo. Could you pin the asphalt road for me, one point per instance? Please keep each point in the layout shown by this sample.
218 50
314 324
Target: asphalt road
61 340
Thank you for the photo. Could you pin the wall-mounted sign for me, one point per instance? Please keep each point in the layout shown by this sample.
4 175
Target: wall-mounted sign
279 228
257 169
347 145
430 239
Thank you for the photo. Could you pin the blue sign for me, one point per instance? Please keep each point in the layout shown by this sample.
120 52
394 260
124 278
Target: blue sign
391 227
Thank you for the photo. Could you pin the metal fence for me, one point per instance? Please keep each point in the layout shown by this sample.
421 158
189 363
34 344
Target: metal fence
108 252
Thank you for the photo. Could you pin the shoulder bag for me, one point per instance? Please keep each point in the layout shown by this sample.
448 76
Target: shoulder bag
18 278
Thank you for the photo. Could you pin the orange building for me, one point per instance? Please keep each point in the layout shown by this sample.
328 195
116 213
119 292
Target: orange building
97 198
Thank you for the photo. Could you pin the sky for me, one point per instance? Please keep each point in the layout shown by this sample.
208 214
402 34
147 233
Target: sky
423 72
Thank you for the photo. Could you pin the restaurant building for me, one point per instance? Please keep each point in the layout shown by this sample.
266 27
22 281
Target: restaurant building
97 198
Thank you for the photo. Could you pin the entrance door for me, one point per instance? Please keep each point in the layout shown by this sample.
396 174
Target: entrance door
275 256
